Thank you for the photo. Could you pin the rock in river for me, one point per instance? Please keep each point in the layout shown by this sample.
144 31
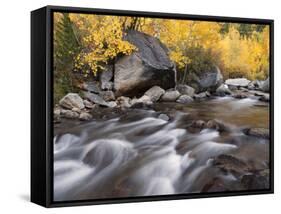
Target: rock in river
184 99
170 96
72 100
185 89
148 66
238 82
258 132
155 93
223 90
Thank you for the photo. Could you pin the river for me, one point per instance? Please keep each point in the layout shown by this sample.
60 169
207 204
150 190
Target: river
138 154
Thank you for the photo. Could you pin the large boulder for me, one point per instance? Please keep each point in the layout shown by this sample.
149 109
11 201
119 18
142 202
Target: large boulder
238 82
72 100
149 65
205 80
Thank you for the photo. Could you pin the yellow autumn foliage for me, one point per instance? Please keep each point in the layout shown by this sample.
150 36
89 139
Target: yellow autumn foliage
193 45
102 38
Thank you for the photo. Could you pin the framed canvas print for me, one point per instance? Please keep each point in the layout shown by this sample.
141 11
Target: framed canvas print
134 106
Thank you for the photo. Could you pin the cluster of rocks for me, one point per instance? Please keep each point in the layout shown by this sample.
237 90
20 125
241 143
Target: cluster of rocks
241 88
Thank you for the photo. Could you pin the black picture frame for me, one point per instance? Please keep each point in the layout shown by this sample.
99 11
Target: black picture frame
42 105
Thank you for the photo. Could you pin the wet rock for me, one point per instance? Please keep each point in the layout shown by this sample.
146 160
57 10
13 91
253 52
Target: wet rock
256 181
265 85
215 185
96 99
223 90
239 82
184 99
205 80
170 96
255 85
257 132
93 87
232 164
144 100
185 90
107 95
69 114
240 95
88 104
124 102
218 125
202 95
164 117
265 98
154 93
106 77
85 116
72 100
150 65
200 124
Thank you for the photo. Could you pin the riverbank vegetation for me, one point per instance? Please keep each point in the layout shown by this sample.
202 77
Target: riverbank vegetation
85 43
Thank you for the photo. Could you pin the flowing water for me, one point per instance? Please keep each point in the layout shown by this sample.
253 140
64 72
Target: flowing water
139 154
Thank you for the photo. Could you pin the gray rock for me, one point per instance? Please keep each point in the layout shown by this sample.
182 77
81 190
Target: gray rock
93 87
255 85
144 99
219 126
76 110
96 99
106 77
111 104
69 114
198 124
185 90
223 90
107 95
154 93
257 132
124 102
255 181
164 117
202 95
170 96
85 116
205 80
265 98
238 82
150 65
57 112
184 99
231 164
72 100
88 104
265 85
239 95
